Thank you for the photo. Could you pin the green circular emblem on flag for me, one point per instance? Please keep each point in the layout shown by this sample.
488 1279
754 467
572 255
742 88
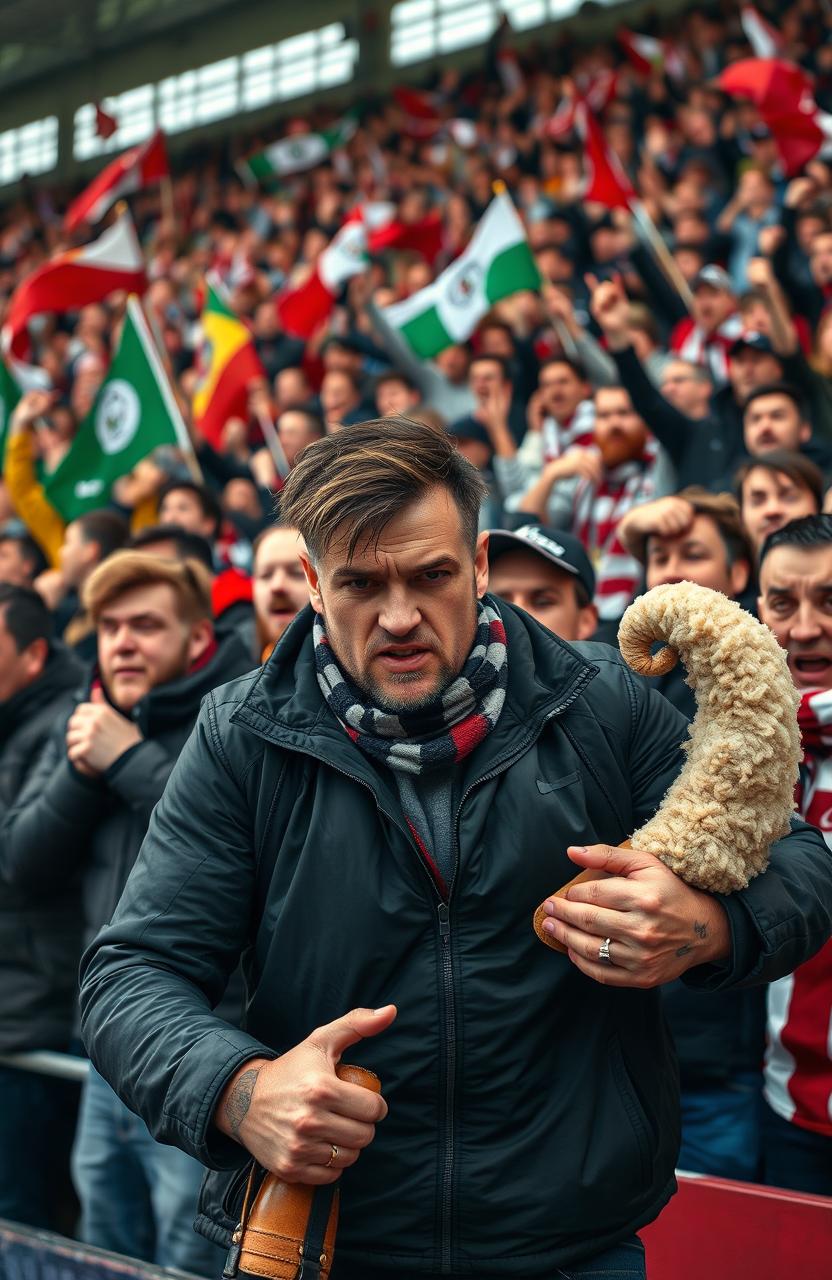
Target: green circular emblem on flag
117 415
465 285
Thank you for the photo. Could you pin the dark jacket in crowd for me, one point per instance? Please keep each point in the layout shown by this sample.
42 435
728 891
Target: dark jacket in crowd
40 932
533 1112
703 450
64 823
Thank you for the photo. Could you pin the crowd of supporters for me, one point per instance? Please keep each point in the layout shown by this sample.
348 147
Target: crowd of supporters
635 426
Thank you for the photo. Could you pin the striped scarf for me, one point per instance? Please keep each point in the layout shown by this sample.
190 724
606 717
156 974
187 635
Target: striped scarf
442 733
598 512
710 350
798 1067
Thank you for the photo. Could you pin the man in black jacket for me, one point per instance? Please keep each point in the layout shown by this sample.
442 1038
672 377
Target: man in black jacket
40 933
704 450
371 819
83 814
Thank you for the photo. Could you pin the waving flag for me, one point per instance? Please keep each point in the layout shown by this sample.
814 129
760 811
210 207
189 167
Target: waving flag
303 309
606 181
765 40
496 263
228 362
134 413
74 279
10 393
135 169
647 54
297 153
784 96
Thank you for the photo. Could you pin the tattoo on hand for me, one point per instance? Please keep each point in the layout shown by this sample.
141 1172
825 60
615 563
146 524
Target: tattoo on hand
685 950
239 1101
701 930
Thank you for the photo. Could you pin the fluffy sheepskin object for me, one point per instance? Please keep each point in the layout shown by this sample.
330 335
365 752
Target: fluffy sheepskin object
735 794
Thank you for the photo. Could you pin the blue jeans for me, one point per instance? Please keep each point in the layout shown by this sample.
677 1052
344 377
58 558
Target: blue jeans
137 1197
794 1158
37 1116
623 1261
721 1129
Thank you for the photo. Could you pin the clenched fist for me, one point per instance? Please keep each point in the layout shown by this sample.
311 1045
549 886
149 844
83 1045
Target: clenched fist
97 735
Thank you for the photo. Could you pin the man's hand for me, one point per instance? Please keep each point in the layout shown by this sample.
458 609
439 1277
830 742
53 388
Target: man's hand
769 240
97 735
291 1112
611 310
666 518
760 273
494 408
658 926
28 409
577 461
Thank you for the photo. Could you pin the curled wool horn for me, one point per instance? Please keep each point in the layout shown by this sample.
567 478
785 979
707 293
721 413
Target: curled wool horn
735 793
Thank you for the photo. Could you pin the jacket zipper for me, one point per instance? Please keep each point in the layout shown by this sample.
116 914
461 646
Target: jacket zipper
448 1171
444 916
450 1085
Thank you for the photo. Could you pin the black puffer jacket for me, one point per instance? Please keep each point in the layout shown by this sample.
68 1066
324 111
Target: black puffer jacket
40 932
63 823
533 1112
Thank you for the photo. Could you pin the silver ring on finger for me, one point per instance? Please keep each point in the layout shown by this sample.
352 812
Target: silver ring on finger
333 1156
604 953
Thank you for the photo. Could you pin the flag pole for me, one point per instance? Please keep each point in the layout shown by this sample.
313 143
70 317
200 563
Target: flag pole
151 351
168 204
664 258
273 445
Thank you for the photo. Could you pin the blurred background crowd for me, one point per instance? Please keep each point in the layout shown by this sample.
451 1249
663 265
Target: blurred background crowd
655 410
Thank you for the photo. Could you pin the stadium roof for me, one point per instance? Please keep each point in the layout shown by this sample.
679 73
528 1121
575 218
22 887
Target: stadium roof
42 36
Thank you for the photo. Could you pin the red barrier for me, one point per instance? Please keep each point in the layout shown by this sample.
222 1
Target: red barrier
714 1229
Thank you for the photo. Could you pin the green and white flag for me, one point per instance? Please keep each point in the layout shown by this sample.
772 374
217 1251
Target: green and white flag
133 414
297 153
10 393
497 262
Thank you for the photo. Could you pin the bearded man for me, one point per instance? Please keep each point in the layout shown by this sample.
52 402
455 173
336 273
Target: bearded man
590 490
370 820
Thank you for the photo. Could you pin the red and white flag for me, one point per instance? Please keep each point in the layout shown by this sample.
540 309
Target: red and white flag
784 96
105 124
75 279
302 310
421 115
647 54
765 40
132 171
606 180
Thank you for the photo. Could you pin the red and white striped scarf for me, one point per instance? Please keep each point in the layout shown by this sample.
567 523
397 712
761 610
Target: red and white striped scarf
579 430
798 1069
690 342
597 514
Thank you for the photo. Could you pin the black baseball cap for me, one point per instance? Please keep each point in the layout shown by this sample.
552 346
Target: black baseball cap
754 341
555 545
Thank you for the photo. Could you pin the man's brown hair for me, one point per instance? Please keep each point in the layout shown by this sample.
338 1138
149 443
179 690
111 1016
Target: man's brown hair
126 570
360 478
801 470
724 510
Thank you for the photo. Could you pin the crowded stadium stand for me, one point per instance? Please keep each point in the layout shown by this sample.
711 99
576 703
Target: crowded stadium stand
589 244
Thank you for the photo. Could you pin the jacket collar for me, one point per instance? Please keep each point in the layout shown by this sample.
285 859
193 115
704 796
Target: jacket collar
284 705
